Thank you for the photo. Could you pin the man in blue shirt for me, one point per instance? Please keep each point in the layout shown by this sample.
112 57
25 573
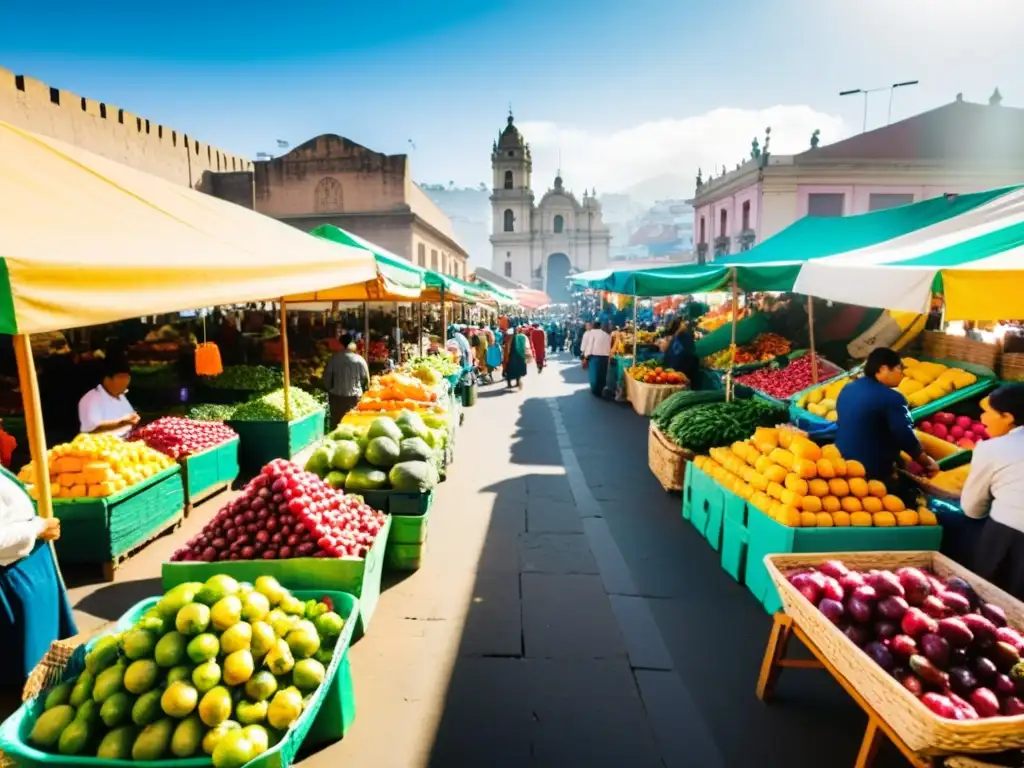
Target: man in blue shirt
874 420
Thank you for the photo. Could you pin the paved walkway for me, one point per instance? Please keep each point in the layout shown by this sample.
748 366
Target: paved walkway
566 615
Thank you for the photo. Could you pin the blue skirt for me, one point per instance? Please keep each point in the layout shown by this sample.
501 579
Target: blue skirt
34 611
597 367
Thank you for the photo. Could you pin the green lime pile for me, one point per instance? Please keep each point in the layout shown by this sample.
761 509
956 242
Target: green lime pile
222 668
402 454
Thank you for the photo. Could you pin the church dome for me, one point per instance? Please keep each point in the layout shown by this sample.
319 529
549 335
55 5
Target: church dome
510 137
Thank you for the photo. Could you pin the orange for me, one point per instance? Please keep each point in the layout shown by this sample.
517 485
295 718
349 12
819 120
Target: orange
775 474
805 468
789 516
927 517
858 487
851 504
803 448
824 520
818 487
854 468
893 503
786 437
877 488
884 519
808 520
825 469
839 487
775 490
782 457
841 519
831 504
861 520
838 466
791 498
796 484
907 517
810 504
830 452
871 504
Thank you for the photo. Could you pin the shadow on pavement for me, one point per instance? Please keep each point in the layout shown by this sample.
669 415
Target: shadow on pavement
113 600
542 676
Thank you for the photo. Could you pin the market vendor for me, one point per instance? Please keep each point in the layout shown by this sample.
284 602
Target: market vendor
995 490
105 408
874 419
346 377
681 349
34 607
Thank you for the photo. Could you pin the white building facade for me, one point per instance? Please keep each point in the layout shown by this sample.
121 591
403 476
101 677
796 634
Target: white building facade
540 244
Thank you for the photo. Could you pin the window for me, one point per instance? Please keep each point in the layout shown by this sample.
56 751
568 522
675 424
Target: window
883 200
444 264
421 254
559 224
723 223
433 259
508 179
703 234
509 220
746 216
508 269
825 204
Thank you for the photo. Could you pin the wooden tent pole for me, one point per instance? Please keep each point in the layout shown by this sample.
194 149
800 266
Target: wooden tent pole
285 363
444 325
810 325
419 323
732 345
635 329
366 332
34 422
398 336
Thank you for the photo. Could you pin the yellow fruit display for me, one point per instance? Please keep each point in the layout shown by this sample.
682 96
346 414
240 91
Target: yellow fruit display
96 466
805 485
924 382
822 401
952 480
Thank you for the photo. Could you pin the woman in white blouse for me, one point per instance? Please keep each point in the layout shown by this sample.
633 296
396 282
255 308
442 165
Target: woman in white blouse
995 489
34 607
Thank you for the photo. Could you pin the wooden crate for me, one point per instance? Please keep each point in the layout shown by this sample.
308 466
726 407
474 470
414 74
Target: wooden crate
666 459
923 732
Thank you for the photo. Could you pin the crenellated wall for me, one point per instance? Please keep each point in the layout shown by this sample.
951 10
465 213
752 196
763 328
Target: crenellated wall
117 134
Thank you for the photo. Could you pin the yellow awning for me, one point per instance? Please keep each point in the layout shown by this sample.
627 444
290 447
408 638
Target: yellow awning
85 240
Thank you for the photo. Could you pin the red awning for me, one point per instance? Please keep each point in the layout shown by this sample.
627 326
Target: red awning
531 299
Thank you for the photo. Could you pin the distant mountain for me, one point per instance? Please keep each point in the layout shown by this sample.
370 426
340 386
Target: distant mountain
663 187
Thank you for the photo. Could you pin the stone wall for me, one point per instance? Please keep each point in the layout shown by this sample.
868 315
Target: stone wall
119 135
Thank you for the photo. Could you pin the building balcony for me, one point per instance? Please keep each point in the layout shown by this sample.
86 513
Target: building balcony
746 239
702 253
723 245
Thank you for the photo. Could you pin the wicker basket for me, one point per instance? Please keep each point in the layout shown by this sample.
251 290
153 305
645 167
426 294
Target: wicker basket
922 731
1012 366
666 459
942 346
646 397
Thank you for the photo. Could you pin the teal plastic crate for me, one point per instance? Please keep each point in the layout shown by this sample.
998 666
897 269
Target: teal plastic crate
698 499
263 441
714 494
326 718
357 577
100 530
734 535
402 504
768 537
207 472
689 473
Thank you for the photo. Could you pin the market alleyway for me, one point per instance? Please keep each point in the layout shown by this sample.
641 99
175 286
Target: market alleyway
566 615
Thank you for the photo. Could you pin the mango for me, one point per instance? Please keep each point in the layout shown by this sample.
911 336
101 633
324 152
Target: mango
255 606
180 673
187 737
263 638
251 712
74 738
308 674
206 676
177 598
216 588
51 724
170 649
259 737
58 695
203 647
116 709
215 734
215 707
179 699
238 637
102 654
146 709
141 676
109 682
233 750
152 743
238 667
138 644
285 708
329 624
261 686
271 588
226 612
303 640
192 619
89 712
117 744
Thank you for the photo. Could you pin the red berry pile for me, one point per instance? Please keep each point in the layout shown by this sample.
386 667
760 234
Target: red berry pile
177 437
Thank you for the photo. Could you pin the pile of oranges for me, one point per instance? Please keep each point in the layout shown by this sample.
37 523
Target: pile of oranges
800 484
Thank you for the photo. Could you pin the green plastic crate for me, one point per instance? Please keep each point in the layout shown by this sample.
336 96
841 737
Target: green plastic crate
714 494
768 537
689 473
357 577
326 718
263 441
405 558
207 472
100 530
409 529
698 504
402 504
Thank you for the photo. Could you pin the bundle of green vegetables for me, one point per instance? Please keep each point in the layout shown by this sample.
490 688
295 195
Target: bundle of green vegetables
715 424
270 406
258 378
680 401
210 412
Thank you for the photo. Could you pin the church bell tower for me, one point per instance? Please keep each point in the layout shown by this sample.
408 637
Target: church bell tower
511 204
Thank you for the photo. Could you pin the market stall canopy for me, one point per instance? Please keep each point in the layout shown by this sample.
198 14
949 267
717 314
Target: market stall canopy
669 281
500 295
531 299
85 240
975 259
775 264
396 279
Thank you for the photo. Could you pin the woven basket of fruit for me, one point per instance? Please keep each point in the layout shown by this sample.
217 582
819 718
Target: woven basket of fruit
646 397
934 649
666 459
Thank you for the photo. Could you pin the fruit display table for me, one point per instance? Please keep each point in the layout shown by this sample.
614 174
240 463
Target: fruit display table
923 737
264 441
209 472
105 530
359 577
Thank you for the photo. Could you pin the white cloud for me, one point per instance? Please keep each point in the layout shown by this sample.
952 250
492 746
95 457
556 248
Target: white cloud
615 161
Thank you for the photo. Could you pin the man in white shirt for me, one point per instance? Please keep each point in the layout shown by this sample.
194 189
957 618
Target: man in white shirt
105 408
597 347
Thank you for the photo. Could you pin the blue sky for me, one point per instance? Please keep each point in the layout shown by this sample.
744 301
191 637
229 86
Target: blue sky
589 74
